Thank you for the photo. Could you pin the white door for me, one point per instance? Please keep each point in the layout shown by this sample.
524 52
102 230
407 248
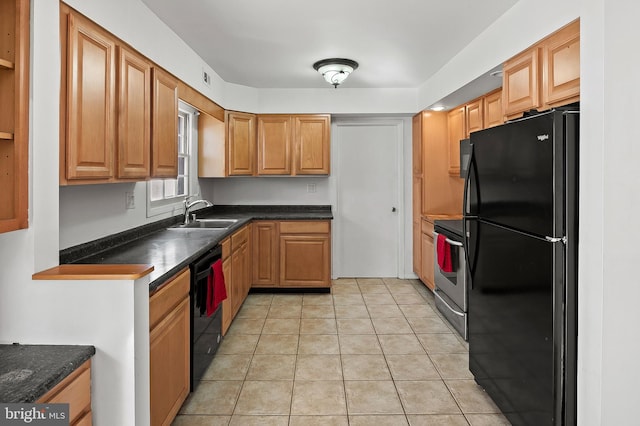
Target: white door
368 197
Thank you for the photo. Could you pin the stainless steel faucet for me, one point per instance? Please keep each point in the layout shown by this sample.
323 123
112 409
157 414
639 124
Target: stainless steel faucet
188 204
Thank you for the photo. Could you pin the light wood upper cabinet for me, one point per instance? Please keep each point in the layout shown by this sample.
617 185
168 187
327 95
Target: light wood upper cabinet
14 114
211 147
312 140
91 106
544 76
520 83
561 66
241 143
134 115
474 120
275 133
164 121
457 130
493 113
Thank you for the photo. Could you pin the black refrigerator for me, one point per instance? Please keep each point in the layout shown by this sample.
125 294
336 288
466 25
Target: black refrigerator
521 227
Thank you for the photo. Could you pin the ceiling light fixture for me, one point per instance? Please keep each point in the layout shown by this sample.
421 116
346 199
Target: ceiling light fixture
335 70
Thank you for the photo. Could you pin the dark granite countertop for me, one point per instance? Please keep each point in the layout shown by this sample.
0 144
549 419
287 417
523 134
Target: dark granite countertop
27 372
170 250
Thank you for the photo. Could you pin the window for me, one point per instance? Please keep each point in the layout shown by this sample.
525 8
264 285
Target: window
167 195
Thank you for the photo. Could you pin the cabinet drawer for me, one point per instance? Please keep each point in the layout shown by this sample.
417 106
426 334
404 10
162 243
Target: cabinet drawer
226 248
304 227
240 237
427 227
74 390
168 297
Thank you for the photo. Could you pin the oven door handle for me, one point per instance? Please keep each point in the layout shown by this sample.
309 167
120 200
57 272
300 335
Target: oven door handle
460 314
454 243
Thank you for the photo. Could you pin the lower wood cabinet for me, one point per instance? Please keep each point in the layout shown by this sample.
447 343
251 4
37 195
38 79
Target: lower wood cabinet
236 267
74 390
427 253
169 348
292 254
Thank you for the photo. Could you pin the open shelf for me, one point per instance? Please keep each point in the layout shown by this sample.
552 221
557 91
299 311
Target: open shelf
4 64
6 135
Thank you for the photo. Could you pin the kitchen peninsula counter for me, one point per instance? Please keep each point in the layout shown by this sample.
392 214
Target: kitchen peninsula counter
170 250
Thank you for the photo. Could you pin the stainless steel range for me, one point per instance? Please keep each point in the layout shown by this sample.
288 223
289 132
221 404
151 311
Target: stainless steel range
451 287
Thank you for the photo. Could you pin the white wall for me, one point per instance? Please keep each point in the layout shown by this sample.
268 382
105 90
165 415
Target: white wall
266 190
609 290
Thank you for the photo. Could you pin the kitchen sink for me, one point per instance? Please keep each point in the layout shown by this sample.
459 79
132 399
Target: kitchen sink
207 224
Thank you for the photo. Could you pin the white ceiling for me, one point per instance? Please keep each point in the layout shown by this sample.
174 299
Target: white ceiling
274 43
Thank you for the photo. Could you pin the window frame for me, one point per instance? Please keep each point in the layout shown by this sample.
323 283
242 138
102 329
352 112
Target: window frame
175 205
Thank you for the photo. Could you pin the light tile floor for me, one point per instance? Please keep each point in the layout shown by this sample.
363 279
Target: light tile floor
373 352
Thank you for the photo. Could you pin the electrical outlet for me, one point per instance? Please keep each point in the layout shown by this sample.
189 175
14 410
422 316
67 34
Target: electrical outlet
311 188
206 77
130 200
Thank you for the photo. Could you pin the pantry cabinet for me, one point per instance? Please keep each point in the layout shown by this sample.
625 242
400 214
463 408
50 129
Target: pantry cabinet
169 348
241 143
545 75
14 115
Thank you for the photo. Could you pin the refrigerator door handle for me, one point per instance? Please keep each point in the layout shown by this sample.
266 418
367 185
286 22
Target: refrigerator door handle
562 240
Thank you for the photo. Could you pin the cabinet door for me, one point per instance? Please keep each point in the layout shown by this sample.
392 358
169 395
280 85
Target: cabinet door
456 125
561 66
417 249
91 106
417 144
227 304
134 116
493 115
311 141
274 144
169 364
241 143
474 120
427 260
265 254
211 147
305 260
520 89
237 279
164 134
14 115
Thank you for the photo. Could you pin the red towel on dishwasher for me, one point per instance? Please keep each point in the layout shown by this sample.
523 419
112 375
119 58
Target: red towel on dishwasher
216 290
444 254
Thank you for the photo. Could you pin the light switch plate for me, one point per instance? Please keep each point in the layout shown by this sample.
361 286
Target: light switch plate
130 200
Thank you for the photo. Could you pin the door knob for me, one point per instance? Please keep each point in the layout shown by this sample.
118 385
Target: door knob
393 209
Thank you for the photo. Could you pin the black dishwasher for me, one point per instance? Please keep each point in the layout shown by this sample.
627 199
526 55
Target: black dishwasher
206 331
